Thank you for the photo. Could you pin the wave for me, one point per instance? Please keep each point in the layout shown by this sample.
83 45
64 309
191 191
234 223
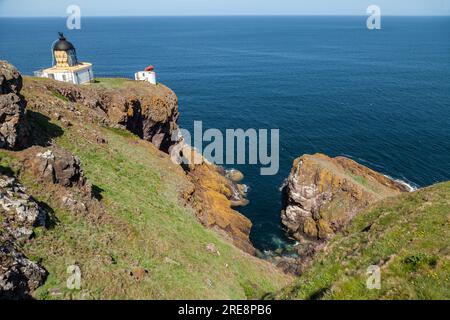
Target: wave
283 185
410 186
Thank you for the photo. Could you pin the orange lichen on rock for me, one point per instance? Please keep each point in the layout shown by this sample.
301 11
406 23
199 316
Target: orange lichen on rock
212 197
323 194
151 112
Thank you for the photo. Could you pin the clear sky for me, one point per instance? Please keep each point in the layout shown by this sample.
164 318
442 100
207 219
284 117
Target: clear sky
9 8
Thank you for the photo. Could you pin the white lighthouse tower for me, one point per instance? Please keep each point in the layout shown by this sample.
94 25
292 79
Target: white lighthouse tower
148 75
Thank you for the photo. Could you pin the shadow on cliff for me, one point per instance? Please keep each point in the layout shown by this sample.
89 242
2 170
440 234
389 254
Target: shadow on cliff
42 130
7 171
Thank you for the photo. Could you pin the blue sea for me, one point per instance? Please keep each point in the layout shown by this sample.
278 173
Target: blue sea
329 84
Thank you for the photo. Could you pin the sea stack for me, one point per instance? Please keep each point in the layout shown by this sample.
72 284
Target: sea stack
323 194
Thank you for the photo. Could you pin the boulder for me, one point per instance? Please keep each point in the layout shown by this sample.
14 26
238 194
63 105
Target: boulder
235 175
19 276
58 166
14 129
19 213
10 79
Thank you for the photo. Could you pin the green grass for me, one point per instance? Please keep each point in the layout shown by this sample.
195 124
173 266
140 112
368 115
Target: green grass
59 95
407 236
358 179
110 83
146 227
121 132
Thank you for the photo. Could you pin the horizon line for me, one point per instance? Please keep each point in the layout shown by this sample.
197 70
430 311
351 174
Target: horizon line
233 15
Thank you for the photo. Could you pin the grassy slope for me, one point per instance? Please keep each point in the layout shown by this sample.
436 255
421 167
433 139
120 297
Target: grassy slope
408 238
147 228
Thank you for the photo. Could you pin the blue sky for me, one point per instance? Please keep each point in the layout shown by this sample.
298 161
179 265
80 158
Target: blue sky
10 8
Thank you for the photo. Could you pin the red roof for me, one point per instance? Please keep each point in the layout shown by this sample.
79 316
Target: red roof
150 68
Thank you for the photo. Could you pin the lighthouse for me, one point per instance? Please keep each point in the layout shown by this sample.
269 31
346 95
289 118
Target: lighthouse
66 66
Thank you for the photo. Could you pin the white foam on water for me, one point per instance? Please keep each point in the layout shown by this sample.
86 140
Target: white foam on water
283 185
409 185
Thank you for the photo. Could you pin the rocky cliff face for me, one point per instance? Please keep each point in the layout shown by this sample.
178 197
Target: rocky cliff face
13 124
149 111
19 214
213 195
130 224
405 236
323 194
54 108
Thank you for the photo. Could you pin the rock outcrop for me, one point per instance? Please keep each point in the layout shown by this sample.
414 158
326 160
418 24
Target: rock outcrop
19 276
61 173
58 166
406 237
19 214
213 195
149 111
13 125
323 194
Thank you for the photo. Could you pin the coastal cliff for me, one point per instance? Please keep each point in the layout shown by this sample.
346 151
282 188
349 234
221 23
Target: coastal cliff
323 194
14 128
116 206
213 195
363 235
86 183
403 239
151 113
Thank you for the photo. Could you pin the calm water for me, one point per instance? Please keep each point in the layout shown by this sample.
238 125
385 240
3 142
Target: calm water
329 84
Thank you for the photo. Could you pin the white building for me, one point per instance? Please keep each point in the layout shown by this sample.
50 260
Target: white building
148 75
66 67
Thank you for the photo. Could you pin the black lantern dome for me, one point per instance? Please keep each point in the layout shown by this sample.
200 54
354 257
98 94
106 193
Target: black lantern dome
63 45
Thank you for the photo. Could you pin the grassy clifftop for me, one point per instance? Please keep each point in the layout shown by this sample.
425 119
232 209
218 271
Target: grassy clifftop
406 236
148 243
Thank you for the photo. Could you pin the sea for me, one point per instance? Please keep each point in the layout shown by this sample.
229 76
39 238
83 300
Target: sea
328 83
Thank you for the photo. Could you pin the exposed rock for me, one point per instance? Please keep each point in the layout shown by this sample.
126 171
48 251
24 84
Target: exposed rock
323 194
62 174
14 128
212 196
19 276
58 166
19 213
75 205
212 201
10 79
151 112
289 265
235 175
